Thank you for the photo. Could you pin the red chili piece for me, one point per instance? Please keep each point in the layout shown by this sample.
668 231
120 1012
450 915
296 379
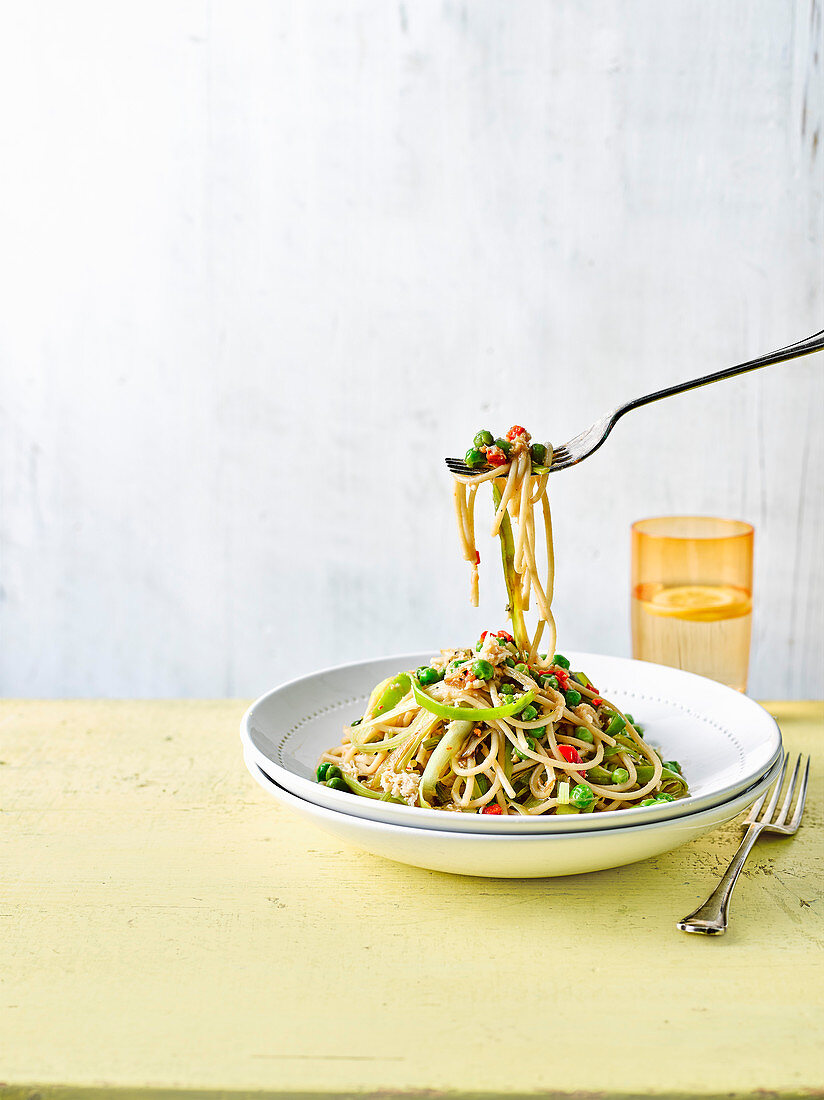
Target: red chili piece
492 808
595 701
506 637
495 456
515 431
477 558
562 676
570 754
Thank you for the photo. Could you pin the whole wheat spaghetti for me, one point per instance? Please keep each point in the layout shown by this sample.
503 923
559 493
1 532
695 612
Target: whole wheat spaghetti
501 728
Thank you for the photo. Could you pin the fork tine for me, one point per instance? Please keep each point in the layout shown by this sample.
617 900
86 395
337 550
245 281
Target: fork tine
802 797
768 813
788 797
755 809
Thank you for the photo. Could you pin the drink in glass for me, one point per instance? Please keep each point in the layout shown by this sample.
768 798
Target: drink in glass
692 595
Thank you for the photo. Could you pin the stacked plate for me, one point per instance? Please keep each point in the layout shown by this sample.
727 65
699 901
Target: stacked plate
728 746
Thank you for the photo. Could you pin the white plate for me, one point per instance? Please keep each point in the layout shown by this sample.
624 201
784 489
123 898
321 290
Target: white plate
724 741
521 856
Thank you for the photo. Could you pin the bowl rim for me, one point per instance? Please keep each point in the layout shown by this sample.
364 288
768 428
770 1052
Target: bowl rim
684 820
571 823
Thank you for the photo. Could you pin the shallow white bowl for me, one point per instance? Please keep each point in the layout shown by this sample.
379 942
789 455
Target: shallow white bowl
519 856
724 741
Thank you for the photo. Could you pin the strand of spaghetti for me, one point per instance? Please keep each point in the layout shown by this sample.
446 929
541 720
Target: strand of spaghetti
484 764
550 550
533 649
470 512
488 475
531 570
459 499
526 589
506 496
524 509
540 488
499 771
474 579
552 638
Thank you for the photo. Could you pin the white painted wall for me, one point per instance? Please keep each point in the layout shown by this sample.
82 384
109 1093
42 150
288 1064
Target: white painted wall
248 247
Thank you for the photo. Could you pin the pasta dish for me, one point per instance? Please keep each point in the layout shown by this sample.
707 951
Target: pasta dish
501 728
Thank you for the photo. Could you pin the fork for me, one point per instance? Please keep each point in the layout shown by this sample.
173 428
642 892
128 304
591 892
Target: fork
711 917
587 442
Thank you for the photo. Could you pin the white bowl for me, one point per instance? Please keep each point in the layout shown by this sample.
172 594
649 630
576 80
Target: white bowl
723 740
520 856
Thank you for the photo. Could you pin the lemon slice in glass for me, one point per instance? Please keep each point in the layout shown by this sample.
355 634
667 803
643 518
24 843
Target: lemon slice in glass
700 602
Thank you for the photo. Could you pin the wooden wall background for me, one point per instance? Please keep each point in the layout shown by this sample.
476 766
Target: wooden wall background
262 264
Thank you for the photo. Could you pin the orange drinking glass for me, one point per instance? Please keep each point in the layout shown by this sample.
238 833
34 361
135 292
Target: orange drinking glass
692 595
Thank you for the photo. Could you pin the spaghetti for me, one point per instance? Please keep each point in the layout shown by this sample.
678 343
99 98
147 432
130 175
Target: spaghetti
502 729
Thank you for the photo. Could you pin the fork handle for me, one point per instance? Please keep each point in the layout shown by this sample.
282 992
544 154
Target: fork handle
711 917
792 351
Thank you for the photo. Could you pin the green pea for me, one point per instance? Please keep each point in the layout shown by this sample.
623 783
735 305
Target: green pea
337 784
538 452
658 800
581 796
504 444
484 438
334 772
428 675
620 775
474 459
630 719
638 729
551 681
507 689
520 667
323 772
528 714
560 660
673 766
509 662
483 670
573 697
584 735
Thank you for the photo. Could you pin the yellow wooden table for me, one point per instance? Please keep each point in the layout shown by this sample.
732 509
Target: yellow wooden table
166 929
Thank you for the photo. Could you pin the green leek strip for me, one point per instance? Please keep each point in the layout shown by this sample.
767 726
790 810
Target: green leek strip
392 695
357 787
599 774
418 731
443 754
670 780
566 808
377 691
470 714
624 744
379 746
481 786
513 589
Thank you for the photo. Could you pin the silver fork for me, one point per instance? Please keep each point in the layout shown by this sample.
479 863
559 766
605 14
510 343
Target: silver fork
587 442
711 917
